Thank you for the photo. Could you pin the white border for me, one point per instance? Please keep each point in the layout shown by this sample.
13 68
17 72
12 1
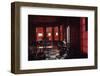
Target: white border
25 64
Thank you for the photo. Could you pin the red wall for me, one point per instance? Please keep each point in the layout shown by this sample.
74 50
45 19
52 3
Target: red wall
39 30
84 36
49 30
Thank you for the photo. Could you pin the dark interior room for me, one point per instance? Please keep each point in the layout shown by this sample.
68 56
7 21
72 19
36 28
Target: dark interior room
57 37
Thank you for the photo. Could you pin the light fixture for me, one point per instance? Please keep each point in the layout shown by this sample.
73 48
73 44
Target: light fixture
56 33
40 34
49 34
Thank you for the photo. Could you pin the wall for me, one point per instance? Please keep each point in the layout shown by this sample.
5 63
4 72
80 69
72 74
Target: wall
75 32
75 37
5 36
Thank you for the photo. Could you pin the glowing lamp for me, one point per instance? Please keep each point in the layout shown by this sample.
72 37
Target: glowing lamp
40 34
56 33
49 34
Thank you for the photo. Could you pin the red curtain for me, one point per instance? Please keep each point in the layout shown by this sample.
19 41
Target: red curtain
84 35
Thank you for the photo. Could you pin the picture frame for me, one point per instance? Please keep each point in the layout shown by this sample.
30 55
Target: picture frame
21 14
